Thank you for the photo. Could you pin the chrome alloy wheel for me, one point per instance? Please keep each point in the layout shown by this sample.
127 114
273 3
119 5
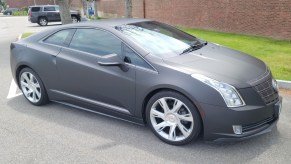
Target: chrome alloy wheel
171 119
43 21
30 87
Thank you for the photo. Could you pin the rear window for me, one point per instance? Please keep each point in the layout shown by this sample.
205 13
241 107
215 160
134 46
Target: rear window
59 37
35 9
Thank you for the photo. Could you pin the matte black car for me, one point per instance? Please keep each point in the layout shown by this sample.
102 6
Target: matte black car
9 11
149 73
42 14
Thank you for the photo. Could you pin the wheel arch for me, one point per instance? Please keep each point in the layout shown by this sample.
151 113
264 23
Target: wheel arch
18 70
41 16
21 67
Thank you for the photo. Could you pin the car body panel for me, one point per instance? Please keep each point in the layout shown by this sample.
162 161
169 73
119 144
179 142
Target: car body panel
80 74
209 61
75 78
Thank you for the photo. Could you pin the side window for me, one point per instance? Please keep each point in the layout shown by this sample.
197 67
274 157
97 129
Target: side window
59 37
49 8
35 9
96 41
131 57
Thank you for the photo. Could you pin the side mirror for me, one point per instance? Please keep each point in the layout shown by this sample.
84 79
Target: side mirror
113 60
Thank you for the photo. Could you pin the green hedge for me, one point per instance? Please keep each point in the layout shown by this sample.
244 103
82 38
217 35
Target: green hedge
19 13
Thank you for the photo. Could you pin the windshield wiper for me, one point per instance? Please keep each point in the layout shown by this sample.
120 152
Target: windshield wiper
194 47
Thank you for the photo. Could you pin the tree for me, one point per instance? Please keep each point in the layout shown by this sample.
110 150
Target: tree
65 11
128 8
96 9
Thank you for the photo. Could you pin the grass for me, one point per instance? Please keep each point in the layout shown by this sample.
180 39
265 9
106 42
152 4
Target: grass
19 13
27 34
95 18
276 53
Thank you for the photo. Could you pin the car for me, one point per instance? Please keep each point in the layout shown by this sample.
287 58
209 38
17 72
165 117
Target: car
42 14
149 73
9 11
1 8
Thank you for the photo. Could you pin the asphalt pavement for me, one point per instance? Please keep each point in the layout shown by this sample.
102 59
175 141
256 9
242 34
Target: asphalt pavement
59 134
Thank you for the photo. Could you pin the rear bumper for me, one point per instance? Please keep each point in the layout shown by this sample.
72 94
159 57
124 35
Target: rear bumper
255 120
32 19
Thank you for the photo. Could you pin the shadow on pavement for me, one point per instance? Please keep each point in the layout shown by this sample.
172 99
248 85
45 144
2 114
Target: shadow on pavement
141 138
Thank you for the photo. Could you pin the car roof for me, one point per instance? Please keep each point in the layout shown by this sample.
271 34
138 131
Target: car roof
110 22
42 6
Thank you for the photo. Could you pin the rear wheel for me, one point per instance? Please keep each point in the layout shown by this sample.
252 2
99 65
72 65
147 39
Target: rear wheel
173 118
42 21
32 87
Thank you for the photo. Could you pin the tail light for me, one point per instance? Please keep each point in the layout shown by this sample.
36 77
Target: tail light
29 13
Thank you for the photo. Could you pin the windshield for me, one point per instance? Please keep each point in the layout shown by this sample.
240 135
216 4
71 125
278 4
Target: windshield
160 39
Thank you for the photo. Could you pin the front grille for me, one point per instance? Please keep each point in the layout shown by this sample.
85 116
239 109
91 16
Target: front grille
250 127
267 92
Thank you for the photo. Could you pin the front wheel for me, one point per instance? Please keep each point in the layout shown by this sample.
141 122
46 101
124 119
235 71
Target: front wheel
32 87
74 19
173 118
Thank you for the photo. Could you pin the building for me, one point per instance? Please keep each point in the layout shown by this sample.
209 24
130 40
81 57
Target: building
255 17
26 3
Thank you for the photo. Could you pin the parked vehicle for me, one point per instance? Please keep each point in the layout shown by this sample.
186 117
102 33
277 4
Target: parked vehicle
43 14
9 11
1 8
149 73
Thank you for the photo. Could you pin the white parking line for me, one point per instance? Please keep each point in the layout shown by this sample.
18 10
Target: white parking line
13 90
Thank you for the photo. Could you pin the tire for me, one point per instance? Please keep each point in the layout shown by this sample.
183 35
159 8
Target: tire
75 19
42 21
32 87
173 118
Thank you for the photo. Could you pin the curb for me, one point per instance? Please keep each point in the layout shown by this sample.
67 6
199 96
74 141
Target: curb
284 84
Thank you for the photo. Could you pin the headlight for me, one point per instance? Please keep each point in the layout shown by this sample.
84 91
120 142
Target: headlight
230 95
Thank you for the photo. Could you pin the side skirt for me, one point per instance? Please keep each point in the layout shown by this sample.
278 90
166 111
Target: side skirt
130 120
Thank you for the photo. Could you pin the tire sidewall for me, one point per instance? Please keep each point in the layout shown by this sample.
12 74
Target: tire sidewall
196 116
41 19
43 98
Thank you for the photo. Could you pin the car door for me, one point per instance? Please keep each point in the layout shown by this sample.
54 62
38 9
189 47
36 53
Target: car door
50 12
57 15
84 81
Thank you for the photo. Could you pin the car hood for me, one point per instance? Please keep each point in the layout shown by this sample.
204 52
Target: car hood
222 64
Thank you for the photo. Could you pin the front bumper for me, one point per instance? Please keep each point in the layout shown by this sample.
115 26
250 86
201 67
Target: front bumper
255 120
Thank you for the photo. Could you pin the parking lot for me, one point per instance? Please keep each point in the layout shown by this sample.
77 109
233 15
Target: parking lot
59 134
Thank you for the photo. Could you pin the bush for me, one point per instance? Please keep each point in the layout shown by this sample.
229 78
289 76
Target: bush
24 9
19 13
